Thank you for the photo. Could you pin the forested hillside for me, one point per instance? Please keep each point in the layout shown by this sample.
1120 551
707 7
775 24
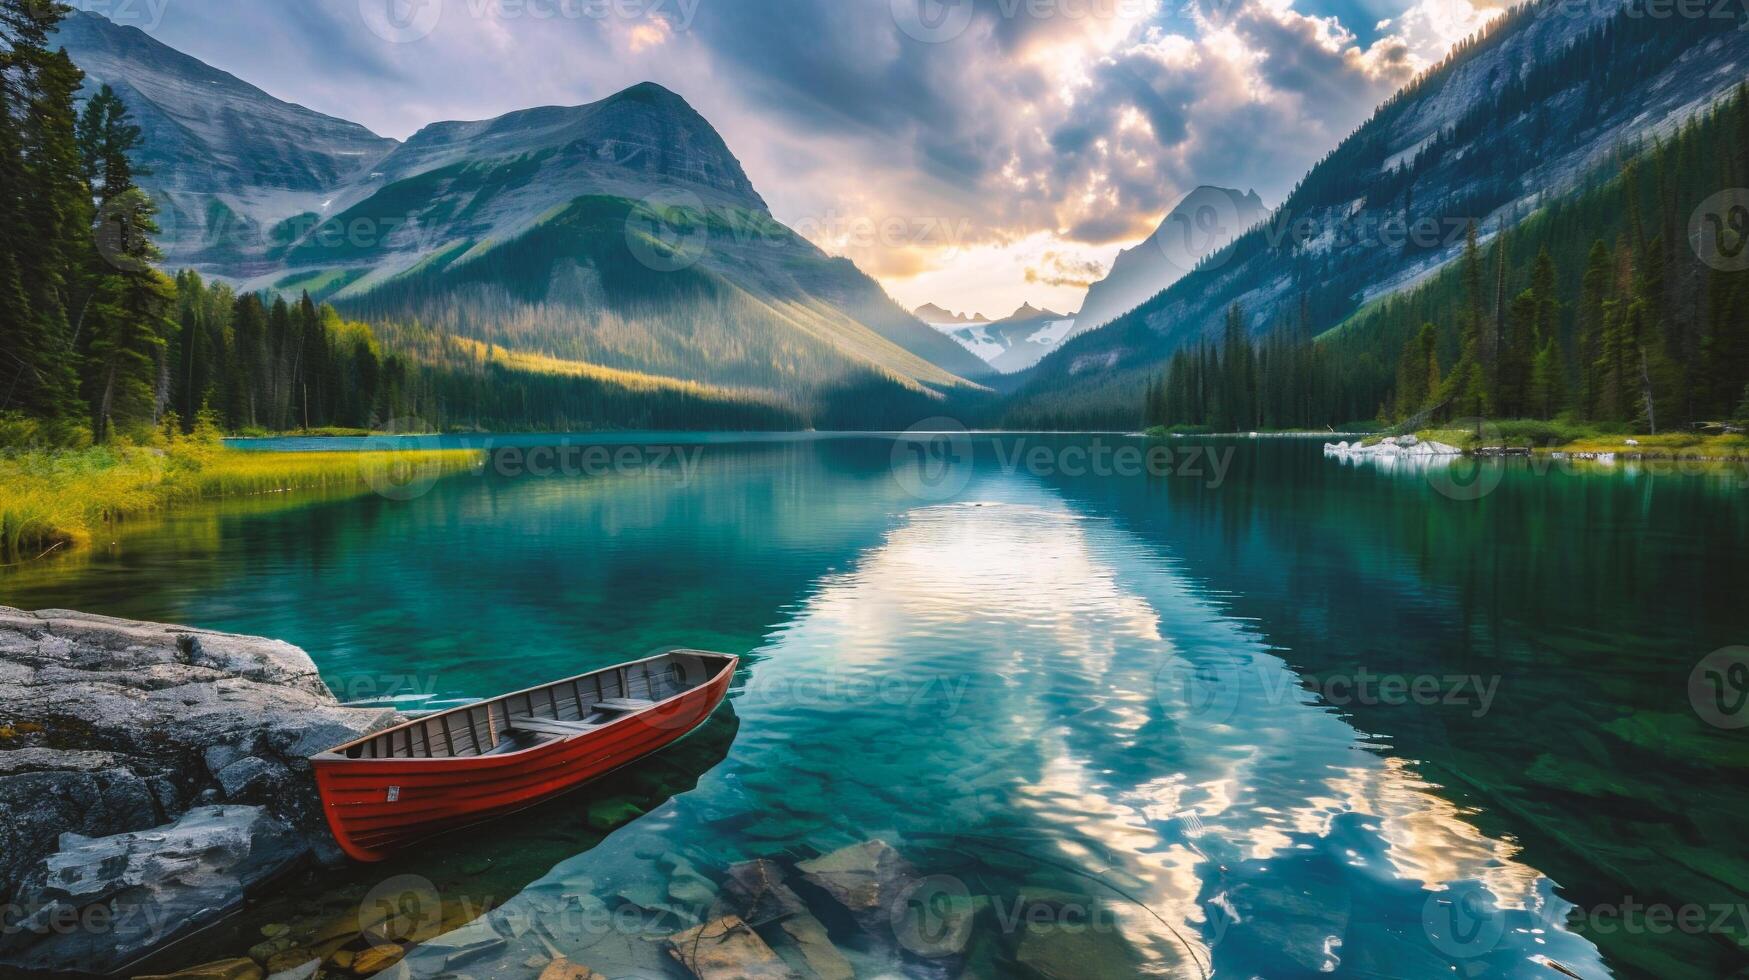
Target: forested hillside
97 344
1522 114
1621 305
269 364
84 316
622 233
721 295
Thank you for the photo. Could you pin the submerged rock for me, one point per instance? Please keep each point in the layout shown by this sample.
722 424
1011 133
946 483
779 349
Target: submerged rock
114 730
1052 951
818 956
564 969
726 949
864 878
687 888
237 969
377 959
756 892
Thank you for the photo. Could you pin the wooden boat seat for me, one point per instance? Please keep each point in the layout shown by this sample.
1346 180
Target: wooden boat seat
623 704
549 726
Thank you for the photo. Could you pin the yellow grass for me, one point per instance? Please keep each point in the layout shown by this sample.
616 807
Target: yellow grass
631 380
1679 446
1676 445
52 500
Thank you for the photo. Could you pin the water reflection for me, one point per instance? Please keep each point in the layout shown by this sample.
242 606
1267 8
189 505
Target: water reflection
1075 697
998 689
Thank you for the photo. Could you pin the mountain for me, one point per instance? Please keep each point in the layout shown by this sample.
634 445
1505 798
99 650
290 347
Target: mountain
1206 220
1017 342
622 234
936 316
1538 105
228 161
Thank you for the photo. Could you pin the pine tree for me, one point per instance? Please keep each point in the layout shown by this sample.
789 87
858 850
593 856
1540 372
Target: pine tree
1417 372
44 219
107 138
1594 302
130 320
1548 381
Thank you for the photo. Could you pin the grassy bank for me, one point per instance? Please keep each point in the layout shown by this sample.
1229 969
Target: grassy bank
1556 437
1164 432
57 499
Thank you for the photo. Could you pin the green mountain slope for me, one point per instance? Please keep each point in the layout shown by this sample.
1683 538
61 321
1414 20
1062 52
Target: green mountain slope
1524 113
623 233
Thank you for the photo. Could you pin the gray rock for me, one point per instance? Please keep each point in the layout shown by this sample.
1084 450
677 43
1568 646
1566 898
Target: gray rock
757 894
727 949
864 878
117 727
246 772
49 760
133 891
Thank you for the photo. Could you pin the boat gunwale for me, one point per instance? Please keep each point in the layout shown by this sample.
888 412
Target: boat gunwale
337 754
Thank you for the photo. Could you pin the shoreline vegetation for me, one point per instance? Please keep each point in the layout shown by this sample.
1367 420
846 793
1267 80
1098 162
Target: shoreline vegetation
56 500
1594 310
1521 437
1546 439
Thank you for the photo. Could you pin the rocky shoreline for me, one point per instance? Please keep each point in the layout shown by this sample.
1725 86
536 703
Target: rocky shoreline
1402 447
151 778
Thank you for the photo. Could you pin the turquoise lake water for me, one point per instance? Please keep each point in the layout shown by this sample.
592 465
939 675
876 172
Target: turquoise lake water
1264 715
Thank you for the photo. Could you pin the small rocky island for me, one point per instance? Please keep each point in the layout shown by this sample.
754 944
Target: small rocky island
151 778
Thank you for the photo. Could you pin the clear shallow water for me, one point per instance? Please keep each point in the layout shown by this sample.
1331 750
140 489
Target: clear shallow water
1156 699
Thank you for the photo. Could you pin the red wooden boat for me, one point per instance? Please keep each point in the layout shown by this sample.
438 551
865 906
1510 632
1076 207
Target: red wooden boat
469 764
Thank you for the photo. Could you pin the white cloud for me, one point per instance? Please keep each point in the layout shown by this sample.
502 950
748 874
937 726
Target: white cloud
1076 132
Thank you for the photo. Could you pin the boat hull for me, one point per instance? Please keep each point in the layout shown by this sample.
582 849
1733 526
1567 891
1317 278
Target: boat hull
375 807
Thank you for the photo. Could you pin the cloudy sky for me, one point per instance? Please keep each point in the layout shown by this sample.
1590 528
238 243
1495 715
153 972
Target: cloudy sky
975 153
